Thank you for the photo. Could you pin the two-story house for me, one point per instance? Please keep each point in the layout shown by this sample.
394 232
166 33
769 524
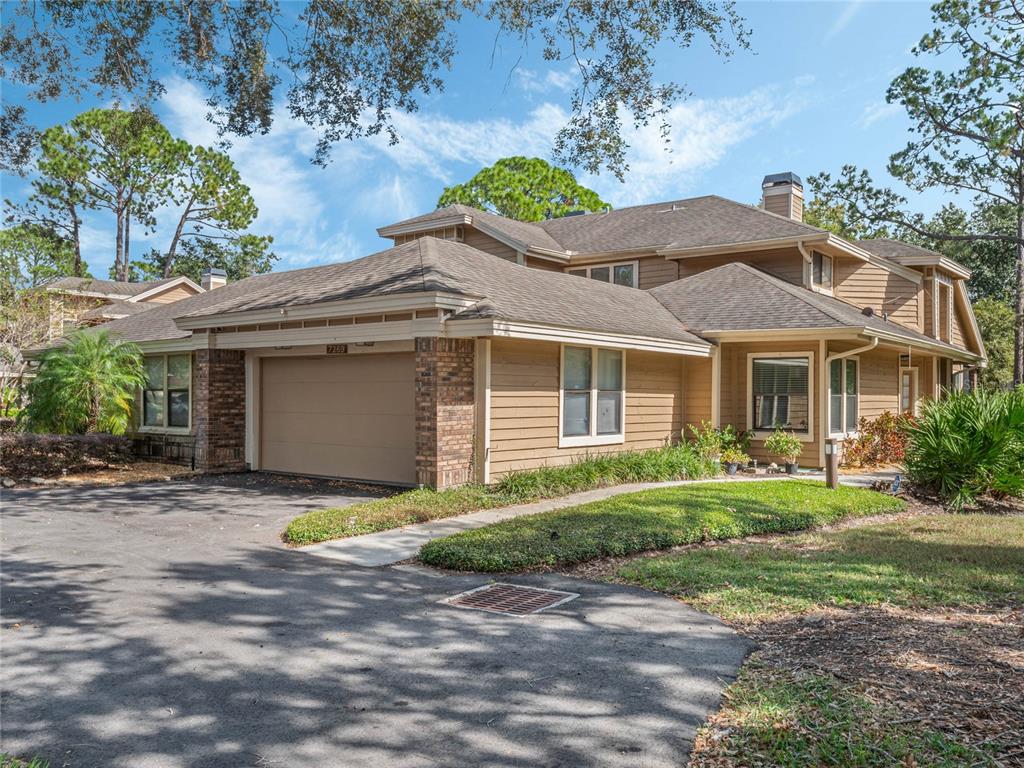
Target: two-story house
477 345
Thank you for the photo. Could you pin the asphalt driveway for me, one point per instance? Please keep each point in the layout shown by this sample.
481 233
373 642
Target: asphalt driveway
165 625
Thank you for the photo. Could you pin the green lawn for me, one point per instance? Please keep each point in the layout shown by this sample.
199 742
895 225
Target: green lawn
937 560
676 462
7 761
773 718
650 520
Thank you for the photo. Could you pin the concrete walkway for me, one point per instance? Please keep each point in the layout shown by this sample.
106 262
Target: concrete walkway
389 547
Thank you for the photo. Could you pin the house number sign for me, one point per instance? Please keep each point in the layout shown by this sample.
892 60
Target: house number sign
337 349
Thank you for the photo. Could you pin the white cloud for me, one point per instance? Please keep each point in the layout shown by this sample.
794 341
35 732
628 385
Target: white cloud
879 111
532 82
850 10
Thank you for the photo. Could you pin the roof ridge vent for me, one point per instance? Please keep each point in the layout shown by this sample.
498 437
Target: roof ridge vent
673 208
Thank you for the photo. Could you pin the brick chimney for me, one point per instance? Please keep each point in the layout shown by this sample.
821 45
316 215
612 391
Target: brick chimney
214 278
783 193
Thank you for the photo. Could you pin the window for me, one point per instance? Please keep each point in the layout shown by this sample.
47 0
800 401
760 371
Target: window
592 396
780 393
620 274
908 390
843 392
166 400
821 271
945 309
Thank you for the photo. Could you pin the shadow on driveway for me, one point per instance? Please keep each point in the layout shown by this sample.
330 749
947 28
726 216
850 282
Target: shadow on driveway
166 626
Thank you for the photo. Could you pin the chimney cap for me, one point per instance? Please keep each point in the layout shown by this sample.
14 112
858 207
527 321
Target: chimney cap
215 272
778 179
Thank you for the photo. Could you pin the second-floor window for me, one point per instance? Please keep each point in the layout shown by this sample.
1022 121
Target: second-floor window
821 271
624 273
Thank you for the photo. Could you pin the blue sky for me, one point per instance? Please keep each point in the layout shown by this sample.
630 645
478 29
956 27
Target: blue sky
808 96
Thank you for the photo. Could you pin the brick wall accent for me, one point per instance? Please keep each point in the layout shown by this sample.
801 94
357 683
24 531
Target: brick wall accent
218 409
445 411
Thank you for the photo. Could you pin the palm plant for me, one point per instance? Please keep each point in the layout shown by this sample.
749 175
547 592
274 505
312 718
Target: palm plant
968 445
86 385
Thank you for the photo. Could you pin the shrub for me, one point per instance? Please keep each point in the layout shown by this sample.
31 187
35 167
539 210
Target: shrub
785 445
87 385
879 441
676 462
26 454
653 519
968 445
710 442
733 455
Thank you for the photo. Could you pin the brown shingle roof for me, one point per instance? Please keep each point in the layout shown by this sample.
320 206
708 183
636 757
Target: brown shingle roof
506 291
117 309
739 297
526 233
698 221
105 287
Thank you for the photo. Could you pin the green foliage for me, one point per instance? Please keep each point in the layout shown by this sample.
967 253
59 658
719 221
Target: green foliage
9 761
671 463
785 445
967 137
677 462
31 254
87 385
995 321
348 66
939 560
733 455
655 519
525 189
839 218
710 443
969 444
882 440
241 257
787 720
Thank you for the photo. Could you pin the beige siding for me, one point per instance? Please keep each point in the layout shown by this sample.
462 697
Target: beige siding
655 271
784 263
879 379
928 294
957 339
866 285
524 405
697 390
488 244
177 293
734 405
548 266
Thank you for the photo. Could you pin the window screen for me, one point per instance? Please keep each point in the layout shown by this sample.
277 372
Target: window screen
781 393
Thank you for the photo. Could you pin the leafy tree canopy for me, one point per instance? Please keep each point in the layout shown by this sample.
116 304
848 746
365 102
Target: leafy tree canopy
524 188
31 254
968 134
243 257
995 320
347 67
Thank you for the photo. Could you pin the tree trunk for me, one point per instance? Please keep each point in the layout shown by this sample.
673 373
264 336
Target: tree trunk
75 236
127 243
173 250
92 425
119 270
1018 329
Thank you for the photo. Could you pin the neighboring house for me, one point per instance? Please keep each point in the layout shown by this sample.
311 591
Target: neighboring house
477 345
83 301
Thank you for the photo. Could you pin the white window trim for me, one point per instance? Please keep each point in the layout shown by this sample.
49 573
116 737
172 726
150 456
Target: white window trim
576 441
832 271
167 430
761 434
611 270
828 398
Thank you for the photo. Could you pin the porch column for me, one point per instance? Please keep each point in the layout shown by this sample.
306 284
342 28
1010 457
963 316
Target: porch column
445 411
218 409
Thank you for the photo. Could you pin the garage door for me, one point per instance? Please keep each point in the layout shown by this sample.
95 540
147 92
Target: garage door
346 416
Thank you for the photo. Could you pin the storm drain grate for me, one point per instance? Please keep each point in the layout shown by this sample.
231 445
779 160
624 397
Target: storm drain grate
513 599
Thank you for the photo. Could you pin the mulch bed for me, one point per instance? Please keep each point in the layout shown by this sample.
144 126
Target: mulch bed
104 474
960 672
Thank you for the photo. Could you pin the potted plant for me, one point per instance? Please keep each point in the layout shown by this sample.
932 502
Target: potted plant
732 457
787 446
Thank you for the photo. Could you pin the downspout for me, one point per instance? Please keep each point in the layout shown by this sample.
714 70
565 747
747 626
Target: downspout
852 352
826 384
807 262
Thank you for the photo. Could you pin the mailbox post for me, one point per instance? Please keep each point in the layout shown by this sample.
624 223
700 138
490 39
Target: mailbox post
832 463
